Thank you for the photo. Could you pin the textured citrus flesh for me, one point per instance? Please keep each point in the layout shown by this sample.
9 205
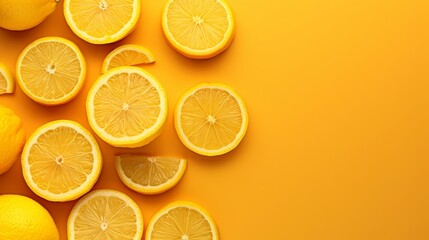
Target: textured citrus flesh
149 174
61 161
198 28
127 107
182 220
105 214
102 21
127 55
7 82
211 119
51 70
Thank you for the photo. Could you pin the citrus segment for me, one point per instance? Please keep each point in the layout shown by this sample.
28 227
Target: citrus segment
182 220
12 138
127 55
149 174
102 21
198 28
211 119
7 81
51 70
105 214
61 161
127 107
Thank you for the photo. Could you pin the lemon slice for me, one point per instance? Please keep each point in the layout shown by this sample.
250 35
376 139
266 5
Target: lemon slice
61 161
127 55
105 214
7 81
182 220
211 119
51 70
127 107
149 174
198 28
102 21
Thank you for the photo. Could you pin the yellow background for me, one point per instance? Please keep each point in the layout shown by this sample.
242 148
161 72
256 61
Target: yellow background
337 94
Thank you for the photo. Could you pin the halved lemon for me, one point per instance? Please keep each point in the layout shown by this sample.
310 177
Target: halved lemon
127 55
182 220
61 161
105 214
198 28
127 107
102 21
149 174
211 119
51 70
7 81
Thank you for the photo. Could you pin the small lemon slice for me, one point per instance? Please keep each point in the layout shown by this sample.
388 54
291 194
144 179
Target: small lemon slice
198 28
51 70
127 55
7 81
61 161
105 214
102 21
182 220
127 107
149 174
211 119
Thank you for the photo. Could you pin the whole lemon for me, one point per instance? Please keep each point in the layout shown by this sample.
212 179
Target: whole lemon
22 218
12 138
24 14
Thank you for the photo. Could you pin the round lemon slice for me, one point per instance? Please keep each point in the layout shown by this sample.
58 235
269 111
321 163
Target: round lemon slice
149 174
127 107
198 28
51 70
211 119
61 161
182 220
105 214
102 21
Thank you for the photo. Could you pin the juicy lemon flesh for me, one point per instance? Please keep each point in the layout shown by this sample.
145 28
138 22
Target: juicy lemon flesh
182 223
7 82
3 84
211 118
197 25
53 65
60 160
100 18
127 105
128 58
105 218
149 171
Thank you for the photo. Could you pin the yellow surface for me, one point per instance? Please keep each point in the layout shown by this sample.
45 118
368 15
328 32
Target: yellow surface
338 99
